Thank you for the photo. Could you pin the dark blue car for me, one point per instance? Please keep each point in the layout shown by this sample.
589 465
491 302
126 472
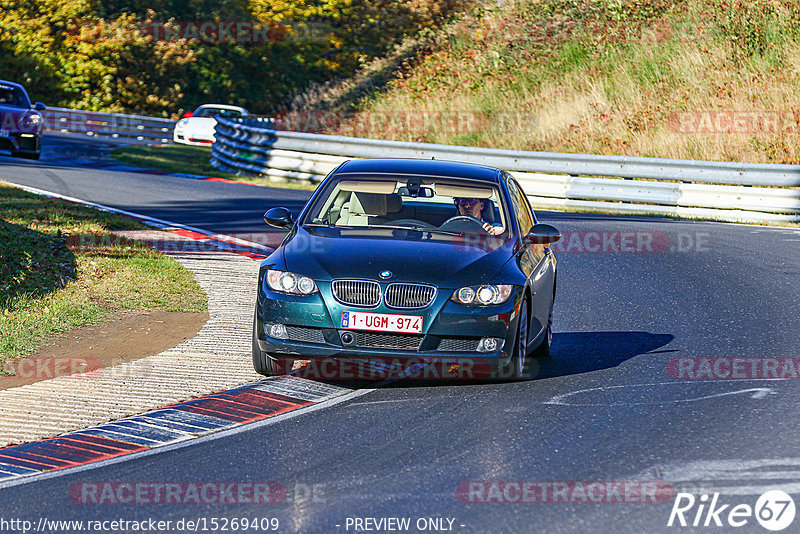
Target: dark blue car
21 123
426 262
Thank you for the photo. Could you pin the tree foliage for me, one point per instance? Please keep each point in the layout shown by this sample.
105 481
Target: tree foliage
104 55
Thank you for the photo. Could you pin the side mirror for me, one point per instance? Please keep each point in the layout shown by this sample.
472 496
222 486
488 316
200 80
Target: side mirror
542 233
39 106
279 218
187 115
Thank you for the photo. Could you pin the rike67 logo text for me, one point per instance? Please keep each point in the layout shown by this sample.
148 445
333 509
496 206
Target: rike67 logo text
774 510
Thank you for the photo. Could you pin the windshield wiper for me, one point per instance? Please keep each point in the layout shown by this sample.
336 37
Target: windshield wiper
420 228
382 226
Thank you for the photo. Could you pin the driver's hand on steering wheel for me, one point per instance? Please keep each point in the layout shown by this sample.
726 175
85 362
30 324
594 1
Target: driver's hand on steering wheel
493 230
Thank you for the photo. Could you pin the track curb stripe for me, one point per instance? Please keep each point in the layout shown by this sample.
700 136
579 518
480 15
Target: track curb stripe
165 426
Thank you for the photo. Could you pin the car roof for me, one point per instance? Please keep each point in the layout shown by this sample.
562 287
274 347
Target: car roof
422 167
12 84
222 106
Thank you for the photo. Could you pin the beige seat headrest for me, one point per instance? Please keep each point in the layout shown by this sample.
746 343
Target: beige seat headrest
373 204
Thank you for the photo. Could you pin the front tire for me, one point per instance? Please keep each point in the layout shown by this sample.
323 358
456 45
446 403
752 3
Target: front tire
263 364
543 350
516 369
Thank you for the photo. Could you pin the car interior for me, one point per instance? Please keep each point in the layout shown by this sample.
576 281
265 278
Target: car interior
211 112
12 97
354 203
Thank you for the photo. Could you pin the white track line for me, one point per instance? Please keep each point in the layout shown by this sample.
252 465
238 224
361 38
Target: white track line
154 221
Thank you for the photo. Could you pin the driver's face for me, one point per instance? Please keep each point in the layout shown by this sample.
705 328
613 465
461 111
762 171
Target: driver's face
471 207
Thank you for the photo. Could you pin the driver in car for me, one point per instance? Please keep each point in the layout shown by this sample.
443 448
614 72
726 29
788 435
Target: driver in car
473 207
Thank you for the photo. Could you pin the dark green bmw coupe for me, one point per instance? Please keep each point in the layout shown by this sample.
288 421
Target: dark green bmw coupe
399 260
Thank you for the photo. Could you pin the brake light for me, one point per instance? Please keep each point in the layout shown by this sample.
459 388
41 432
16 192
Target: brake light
187 114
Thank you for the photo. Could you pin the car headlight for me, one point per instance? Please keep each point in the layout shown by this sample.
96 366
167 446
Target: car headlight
484 295
286 282
30 121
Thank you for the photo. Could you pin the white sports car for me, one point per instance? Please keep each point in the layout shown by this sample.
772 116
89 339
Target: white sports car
198 128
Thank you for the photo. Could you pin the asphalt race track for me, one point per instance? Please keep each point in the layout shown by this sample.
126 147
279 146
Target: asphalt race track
603 408
65 168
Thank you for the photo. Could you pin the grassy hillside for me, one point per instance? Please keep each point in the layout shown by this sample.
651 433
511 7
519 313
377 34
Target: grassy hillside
710 79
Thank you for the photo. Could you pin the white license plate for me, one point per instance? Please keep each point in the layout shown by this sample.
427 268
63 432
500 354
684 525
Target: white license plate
382 322
4 133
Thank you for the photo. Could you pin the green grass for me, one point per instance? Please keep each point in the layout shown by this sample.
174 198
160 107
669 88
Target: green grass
190 160
60 270
171 158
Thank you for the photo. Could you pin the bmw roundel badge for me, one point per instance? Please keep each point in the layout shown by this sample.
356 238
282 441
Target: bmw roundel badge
386 274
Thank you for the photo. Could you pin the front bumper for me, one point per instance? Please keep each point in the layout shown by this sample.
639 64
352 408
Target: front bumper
450 333
22 142
189 135
180 138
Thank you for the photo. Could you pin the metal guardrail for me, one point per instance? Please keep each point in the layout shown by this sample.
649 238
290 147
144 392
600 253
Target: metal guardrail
116 125
738 192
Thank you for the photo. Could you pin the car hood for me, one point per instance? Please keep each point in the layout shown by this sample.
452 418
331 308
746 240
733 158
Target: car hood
201 122
411 256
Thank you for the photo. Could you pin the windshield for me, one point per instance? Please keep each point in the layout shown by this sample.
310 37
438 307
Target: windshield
432 204
13 96
210 112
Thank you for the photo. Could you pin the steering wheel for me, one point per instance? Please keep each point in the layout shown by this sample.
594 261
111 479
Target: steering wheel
462 223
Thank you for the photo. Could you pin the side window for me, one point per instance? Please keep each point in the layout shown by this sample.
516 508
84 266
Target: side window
530 209
521 206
